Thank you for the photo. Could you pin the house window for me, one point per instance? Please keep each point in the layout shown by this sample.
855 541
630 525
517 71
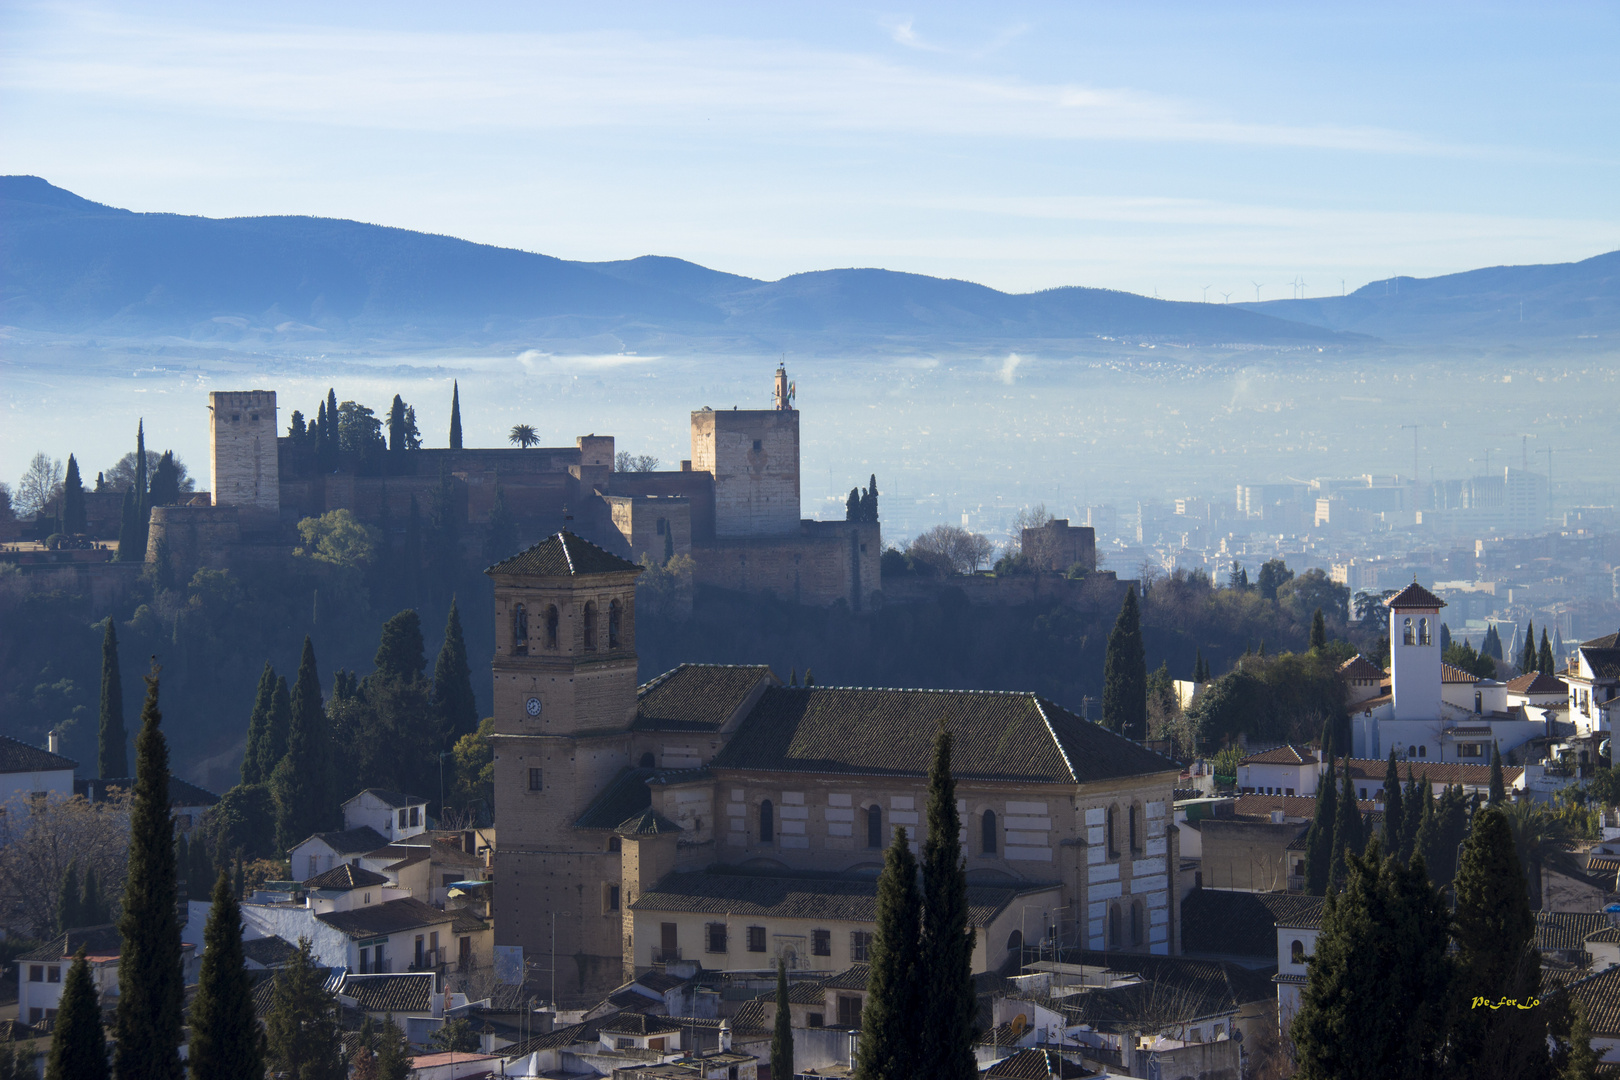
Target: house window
1361 793
520 630
551 627
1407 635
36 973
535 783
1296 952
767 822
757 444
1479 703
821 942
849 1010
756 939
612 900
874 826
1423 751
1289 792
590 626
416 816
367 899
36 1016
989 846
1470 750
860 944
716 937
648 761
421 943
314 866
365 961
817 1020
615 614
1015 941
614 844
464 952
404 816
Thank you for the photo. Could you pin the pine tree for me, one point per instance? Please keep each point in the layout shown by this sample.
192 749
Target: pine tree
1394 817
393 1052
226 1043
1124 696
1318 630
300 784
150 980
1496 958
112 754
258 726
1319 838
1544 658
1527 655
78 1042
1347 831
302 1035
455 415
945 959
73 512
894 994
809 677
453 698
1498 786
782 1036
69 913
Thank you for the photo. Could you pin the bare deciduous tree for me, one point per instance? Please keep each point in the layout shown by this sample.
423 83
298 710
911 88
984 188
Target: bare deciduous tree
38 840
39 485
625 461
1037 547
951 549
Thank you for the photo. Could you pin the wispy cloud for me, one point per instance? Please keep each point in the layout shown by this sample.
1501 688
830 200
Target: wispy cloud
532 81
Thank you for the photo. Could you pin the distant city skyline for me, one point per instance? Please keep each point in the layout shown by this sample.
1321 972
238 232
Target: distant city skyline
1159 151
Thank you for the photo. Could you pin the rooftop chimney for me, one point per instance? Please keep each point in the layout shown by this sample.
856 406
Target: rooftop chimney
53 742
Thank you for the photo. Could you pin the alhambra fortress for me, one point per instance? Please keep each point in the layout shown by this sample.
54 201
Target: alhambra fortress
733 506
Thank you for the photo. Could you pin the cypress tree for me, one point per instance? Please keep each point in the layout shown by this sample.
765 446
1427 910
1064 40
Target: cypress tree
782 1036
1496 958
112 753
258 725
143 499
1581 1061
79 1042
455 415
150 984
69 913
1544 659
1124 696
1413 803
400 653
1498 785
945 969
300 783
1492 644
393 1052
1198 666
302 1036
1347 831
1527 655
1319 839
396 426
73 512
852 505
334 434
452 682
1445 637
1318 630
93 909
226 1043
129 549
274 746
1394 814
894 994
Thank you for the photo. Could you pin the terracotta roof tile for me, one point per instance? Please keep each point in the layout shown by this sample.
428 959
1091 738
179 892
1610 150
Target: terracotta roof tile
1282 755
1600 994
1414 596
353 841
696 697
1537 683
1449 674
564 555
1359 667
375 920
998 735
1036 1064
1438 772
398 994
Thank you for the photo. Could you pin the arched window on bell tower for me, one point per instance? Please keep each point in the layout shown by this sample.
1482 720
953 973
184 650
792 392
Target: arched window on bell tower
590 626
551 626
615 616
520 631
1407 635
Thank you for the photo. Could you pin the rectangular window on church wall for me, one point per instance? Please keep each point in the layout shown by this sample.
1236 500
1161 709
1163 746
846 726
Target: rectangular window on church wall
756 939
534 780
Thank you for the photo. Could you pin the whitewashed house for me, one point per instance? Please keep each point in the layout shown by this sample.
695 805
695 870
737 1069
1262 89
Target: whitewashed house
27 773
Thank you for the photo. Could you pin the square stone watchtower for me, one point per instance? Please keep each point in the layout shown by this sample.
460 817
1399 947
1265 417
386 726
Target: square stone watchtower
242 450
754 456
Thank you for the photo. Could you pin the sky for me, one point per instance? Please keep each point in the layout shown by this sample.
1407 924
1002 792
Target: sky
1190 151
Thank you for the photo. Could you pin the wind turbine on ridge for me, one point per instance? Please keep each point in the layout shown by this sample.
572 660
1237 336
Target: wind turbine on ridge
1257 285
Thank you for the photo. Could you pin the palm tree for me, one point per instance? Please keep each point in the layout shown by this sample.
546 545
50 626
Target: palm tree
523 435
1542 840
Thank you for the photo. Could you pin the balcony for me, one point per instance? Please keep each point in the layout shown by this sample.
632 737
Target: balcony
665 956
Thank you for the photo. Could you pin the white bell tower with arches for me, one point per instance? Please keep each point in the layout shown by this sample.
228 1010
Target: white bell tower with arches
1414 653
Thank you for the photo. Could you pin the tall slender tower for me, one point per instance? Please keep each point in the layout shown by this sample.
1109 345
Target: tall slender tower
1414 652
565 697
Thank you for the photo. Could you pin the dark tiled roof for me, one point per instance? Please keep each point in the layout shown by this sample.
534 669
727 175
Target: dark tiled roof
1034 1064
94 940
834 898
696 697
635 1023
1600 994
647 823
399 994
1242 923
1609 935
572 1035
1282 755
1537 683
466 922
1414 596
851 979
1566 931
1359 667
1438 772
1173 989
181 792
18 757
755 1015
16 1031
1604 659
625 796
268 951
345 877
998 735
564 555
1293 806
353 841
1607 641
376 920
395 799
659 982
